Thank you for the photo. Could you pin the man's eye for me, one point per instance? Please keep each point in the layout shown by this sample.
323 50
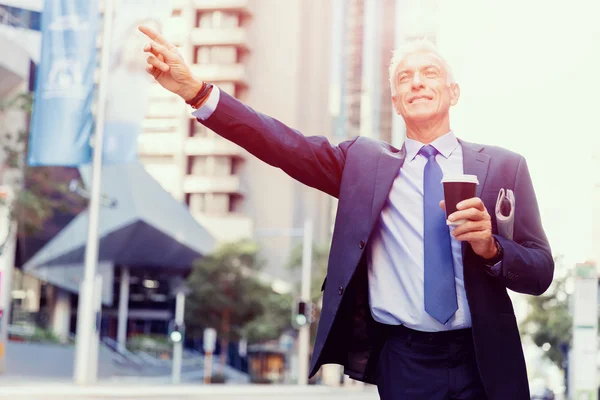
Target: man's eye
403 79
431 73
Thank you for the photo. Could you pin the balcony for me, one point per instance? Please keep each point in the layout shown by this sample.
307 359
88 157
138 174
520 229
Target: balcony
211 146
158 143
161 125
221 73
165 109
219 37
241 6
211 184
155 91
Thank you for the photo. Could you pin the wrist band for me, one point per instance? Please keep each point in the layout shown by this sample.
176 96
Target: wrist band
203 92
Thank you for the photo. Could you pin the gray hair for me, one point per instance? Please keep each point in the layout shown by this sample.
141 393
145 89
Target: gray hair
415 46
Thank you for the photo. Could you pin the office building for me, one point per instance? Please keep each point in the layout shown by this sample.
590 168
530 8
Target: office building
274 56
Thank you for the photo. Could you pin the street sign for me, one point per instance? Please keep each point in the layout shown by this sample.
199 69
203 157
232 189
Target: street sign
243 348
210 340
585 332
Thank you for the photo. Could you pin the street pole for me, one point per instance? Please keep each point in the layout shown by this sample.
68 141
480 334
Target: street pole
304 332
178 347
208 345
208 357
123 309
86 316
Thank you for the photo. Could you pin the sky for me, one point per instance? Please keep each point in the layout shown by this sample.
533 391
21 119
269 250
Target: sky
529 73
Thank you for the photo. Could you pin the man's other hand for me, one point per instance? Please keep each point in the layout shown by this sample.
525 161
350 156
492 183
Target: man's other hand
477 230
167 66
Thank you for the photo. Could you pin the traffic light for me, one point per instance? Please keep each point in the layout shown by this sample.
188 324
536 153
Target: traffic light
176 332
302 314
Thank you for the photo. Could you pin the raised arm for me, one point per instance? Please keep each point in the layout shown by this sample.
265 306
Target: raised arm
312 160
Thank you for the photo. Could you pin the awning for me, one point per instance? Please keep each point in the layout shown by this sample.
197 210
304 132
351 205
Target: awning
146 226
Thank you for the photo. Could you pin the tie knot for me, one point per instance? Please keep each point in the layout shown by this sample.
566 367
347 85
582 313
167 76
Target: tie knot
428 151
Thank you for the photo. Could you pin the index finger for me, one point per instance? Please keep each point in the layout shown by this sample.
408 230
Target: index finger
473 202
157 37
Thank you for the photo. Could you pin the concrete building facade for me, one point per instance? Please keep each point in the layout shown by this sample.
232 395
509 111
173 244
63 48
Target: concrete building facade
274 56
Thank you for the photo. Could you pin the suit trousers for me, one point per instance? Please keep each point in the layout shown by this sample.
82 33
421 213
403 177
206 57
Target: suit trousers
428 366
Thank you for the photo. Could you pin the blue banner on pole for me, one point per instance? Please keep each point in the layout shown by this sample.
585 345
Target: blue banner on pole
62 120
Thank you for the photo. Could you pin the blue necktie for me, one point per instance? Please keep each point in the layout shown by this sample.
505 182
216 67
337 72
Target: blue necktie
440 290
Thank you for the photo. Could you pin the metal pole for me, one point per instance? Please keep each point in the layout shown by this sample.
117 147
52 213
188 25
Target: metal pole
208 356
86 316
123 309
178 347
304 332
95 342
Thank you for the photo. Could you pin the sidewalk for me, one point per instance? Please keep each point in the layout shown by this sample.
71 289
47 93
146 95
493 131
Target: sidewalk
35 388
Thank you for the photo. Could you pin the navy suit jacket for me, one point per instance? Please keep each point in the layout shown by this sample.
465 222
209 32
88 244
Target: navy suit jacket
360 173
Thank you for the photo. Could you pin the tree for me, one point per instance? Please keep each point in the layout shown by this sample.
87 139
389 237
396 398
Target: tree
549 321
37 194
228 296
320 259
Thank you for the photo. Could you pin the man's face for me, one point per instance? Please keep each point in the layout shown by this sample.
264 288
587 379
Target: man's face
423 91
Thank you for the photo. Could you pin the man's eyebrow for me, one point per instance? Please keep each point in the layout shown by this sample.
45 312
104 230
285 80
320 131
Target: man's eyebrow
429 66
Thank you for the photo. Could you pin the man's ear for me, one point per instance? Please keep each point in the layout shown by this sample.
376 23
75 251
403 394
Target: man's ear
395 100
454 93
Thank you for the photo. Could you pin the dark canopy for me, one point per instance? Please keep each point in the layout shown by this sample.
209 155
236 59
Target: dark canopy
146 227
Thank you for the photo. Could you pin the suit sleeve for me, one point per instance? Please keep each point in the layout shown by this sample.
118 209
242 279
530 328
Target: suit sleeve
527 265
312 160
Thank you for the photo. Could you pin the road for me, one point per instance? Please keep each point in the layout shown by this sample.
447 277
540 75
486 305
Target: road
290 396
37 391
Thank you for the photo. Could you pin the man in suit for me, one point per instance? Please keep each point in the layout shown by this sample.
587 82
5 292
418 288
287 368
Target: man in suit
411 305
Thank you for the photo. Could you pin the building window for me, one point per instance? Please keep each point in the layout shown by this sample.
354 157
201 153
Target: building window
222 166
218 204
216 55
197 203
217 19
199 130
198 165
235 203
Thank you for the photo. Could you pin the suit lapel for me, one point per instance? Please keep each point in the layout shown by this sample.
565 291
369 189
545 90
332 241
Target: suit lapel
387 170
474 163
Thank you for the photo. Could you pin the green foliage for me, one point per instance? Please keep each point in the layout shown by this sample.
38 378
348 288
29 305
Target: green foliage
44 336
38 200
273 321
151 344
549 319
228 296
320 258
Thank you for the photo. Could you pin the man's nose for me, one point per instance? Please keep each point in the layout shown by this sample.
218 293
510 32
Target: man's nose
416 82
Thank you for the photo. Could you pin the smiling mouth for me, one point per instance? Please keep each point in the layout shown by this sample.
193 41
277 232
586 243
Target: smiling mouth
420 99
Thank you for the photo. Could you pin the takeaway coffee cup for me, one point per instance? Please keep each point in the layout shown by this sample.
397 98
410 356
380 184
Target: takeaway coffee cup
456 189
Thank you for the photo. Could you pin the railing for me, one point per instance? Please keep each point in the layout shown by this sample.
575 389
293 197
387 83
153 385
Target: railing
124 355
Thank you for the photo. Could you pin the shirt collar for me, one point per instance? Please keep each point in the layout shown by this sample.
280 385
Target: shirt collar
445 144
